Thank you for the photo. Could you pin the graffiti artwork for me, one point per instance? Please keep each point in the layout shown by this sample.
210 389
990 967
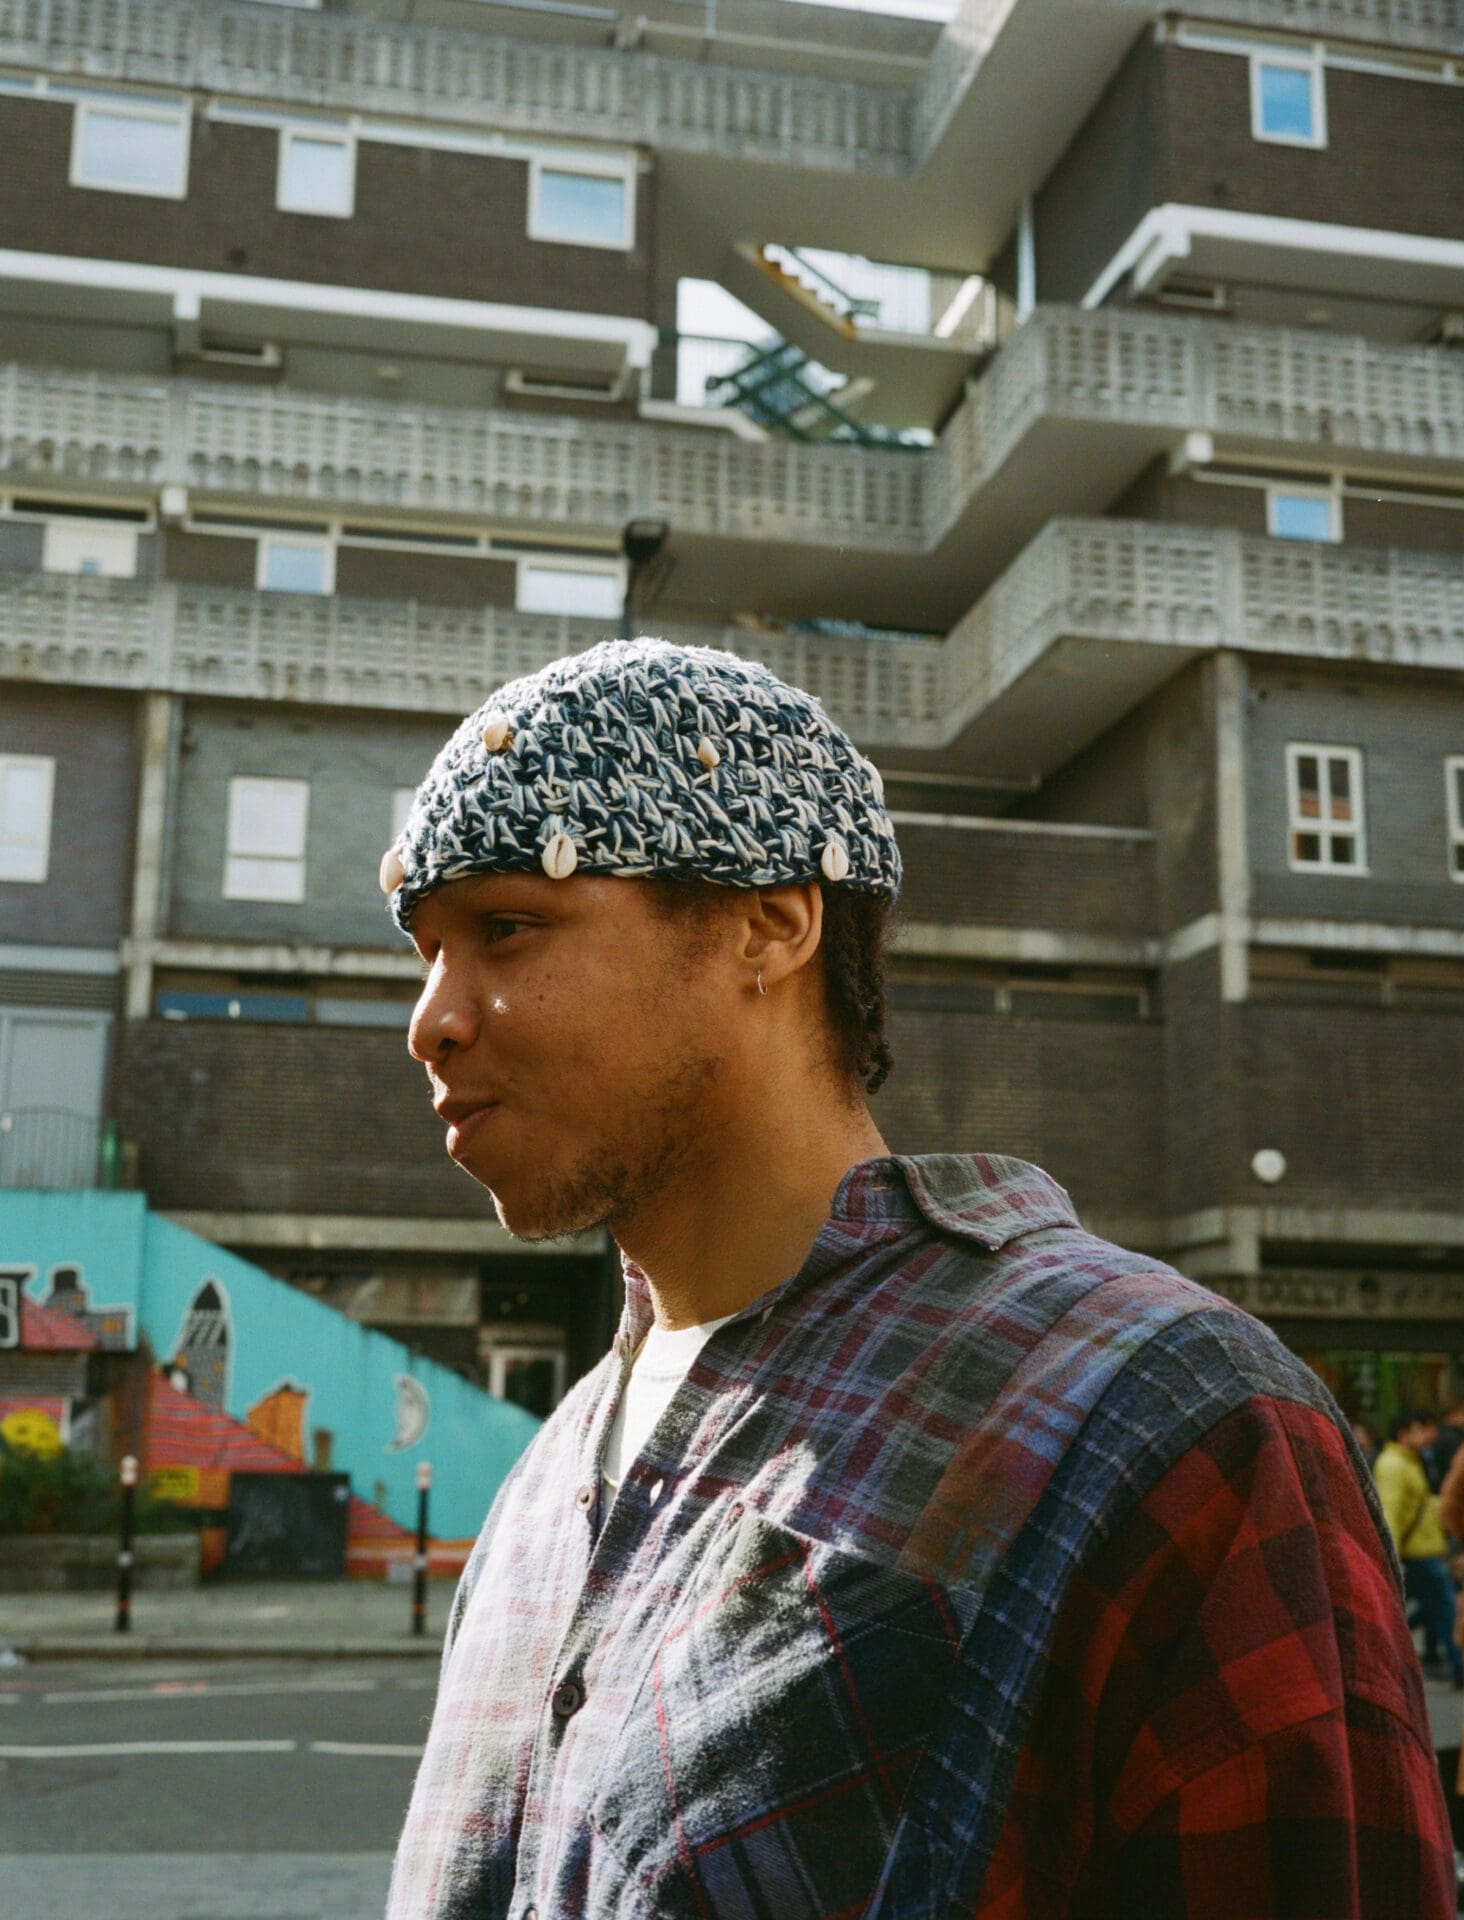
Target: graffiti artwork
69 1294
204 1344
279 1418
413 1409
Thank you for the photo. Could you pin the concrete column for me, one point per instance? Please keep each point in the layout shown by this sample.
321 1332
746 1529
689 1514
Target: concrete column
1233 853
149 859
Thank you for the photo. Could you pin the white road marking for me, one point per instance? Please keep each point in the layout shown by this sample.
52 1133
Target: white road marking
207 1690
370 1749
120 1748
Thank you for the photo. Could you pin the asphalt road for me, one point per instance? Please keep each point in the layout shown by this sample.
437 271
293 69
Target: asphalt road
206 1791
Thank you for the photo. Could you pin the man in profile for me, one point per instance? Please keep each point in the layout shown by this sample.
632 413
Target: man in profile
913 1553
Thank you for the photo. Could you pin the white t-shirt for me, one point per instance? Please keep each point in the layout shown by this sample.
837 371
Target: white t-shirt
660 1366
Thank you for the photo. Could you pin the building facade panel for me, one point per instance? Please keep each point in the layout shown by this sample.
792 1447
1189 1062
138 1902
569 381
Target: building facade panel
1085 883
1404 734
352 765
1362 1101
1083 1098
448 225
260 1118
85 897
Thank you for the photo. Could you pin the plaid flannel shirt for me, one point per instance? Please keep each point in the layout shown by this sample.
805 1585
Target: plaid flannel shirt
981 1568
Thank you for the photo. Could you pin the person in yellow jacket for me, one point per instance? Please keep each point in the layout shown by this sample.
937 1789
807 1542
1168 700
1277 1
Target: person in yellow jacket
1411 1510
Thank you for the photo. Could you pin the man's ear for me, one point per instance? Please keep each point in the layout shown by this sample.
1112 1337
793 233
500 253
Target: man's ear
779 930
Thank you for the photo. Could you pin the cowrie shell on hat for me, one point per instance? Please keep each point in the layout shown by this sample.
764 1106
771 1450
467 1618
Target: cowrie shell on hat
392 871
707 753
876 780
497 732
835 861
560 857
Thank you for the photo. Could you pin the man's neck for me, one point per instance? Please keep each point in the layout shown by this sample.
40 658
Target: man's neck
746 1216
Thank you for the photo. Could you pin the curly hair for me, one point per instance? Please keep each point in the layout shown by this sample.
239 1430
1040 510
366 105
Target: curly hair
855 968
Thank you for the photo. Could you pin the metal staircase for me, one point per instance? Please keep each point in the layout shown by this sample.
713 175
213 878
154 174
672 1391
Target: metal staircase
776 388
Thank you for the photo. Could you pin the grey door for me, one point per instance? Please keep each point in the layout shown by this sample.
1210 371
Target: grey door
52 1071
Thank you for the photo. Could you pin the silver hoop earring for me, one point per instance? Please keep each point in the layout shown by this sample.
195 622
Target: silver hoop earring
760 987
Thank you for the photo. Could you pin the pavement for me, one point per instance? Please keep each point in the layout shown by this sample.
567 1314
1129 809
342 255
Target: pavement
234 1620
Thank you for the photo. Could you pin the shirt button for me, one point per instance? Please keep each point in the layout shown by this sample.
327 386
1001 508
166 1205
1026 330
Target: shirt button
566 1700
584 1500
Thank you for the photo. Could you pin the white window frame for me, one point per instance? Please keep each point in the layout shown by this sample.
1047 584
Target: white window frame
63 539
1454 798
119 107
233 889
1313 65
1322 827
1331 495
599 166
313 542
331 136
560 563
501 1358
11 841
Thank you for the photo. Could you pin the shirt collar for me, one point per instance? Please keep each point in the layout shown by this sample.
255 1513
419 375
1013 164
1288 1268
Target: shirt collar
988 1199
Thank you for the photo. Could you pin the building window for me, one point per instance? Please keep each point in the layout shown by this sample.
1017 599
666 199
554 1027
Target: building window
90 546
588 206
27 781
1324 787
266 849
1303 513
295 563
317 173
1454 777
597 592
1288 99
130 149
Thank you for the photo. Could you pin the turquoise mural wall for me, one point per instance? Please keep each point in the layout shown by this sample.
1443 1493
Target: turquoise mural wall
246 1339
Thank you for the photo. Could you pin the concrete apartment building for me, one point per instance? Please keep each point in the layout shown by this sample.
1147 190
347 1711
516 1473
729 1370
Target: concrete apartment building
340 349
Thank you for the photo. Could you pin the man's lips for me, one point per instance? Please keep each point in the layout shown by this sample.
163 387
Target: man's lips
463 1118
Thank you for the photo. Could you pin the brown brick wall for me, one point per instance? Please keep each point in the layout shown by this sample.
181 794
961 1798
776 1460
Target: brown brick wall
1175 125
1198 1079
1084 1099
92 737
295 1119
449 224
1363 1101
1027 879
1394 157
1105 182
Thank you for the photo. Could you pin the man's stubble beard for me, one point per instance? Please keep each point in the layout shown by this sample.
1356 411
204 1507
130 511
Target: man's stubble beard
664 1143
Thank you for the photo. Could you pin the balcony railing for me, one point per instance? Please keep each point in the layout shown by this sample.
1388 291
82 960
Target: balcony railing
1128 584
400 655
1312 395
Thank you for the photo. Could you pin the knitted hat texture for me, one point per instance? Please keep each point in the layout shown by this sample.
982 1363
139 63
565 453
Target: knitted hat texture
645 759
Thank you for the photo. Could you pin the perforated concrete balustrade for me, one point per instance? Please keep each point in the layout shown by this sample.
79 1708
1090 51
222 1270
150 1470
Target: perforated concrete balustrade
494 80
1328 398
1164 590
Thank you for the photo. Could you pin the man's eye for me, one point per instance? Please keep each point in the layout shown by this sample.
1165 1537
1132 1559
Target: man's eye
498 927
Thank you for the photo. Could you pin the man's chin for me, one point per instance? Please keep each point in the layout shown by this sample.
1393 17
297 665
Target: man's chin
541 1216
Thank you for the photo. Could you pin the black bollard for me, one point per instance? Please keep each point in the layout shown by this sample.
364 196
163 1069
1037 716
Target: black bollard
124 1546
419 1580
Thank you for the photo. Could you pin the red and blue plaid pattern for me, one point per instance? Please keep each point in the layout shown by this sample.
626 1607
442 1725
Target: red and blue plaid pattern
981 1568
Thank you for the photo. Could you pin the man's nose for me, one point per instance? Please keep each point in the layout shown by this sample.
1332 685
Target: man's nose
445 1018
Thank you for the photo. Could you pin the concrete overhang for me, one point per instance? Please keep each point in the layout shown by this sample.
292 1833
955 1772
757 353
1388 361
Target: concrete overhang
291 312
1310 269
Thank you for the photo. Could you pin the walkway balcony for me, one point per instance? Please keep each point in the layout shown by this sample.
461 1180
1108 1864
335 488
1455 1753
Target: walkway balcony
1091 618
1002 89
1067 416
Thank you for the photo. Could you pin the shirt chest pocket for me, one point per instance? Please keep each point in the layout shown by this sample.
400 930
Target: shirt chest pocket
765 1758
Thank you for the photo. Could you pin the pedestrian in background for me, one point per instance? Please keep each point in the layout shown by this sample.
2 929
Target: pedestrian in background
1412 1511
913 1551
1444 1446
